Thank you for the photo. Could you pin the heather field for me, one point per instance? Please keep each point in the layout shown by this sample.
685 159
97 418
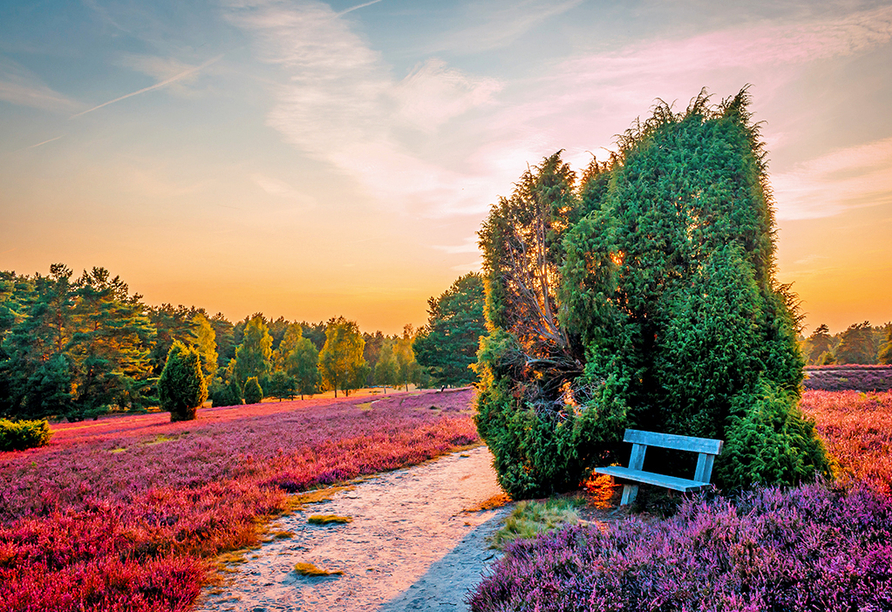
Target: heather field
816 547
126 513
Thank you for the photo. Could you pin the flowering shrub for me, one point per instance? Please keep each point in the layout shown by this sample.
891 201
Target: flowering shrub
809 548
121 513
815 547
857 428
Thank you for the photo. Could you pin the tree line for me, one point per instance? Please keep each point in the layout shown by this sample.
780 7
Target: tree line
860 343
78 347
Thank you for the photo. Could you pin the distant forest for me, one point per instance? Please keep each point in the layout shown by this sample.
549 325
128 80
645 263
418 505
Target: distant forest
860 344
77 347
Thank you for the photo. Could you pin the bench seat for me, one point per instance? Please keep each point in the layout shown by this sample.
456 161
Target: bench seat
652 478
706 449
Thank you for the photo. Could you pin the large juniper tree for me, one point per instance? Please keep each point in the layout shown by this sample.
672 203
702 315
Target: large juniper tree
642 296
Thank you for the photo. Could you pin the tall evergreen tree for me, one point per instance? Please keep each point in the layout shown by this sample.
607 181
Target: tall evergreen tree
819 342
448 344
857 345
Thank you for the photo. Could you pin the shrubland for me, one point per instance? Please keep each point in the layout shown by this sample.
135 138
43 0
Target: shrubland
127 513
822 546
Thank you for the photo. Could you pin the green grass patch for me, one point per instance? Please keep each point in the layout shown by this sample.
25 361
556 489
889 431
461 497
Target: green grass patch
530 518
308 569
325 519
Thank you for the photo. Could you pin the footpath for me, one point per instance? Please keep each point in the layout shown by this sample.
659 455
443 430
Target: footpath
417 540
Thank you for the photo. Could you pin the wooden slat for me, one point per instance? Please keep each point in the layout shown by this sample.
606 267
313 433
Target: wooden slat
668 482
684 443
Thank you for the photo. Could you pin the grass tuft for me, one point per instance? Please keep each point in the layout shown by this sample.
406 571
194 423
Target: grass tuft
530 518
325 519
308 569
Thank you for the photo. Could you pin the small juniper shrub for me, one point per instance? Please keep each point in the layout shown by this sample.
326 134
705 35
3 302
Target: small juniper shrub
253 392
19 435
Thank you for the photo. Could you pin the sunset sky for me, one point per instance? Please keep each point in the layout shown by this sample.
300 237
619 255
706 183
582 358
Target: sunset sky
310 159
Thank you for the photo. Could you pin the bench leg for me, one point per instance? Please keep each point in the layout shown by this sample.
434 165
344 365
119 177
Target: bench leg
630 492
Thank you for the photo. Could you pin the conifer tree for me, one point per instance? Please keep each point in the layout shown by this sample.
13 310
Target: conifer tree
181 387
447 345
643 297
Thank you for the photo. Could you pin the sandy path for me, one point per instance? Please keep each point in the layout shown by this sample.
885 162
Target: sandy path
411 545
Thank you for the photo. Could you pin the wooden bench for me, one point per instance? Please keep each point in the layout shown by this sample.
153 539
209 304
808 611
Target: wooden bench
707 449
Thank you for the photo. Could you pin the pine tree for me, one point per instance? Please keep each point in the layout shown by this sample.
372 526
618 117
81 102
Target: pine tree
447 345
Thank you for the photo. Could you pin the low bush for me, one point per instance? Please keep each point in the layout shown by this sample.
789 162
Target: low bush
19 435
253 391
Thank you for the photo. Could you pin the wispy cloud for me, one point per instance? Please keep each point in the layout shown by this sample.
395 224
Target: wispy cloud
496 24
21 87
166 82
281 189
341 103
853 177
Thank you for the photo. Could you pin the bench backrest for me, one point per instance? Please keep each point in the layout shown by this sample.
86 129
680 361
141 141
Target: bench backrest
682 443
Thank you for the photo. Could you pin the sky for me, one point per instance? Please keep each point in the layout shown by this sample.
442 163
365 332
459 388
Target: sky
309 159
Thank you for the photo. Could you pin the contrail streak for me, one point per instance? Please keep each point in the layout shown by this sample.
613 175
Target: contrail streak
353 8
164 83
40 144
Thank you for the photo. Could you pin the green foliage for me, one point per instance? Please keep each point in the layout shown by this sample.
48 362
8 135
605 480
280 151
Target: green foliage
341 363
253 357
885 352
447 345
303 365
530 518
819 343
19 435
182 387
226 394
76 348
253 392
770 441
206 345
642 297
857 345
387 369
